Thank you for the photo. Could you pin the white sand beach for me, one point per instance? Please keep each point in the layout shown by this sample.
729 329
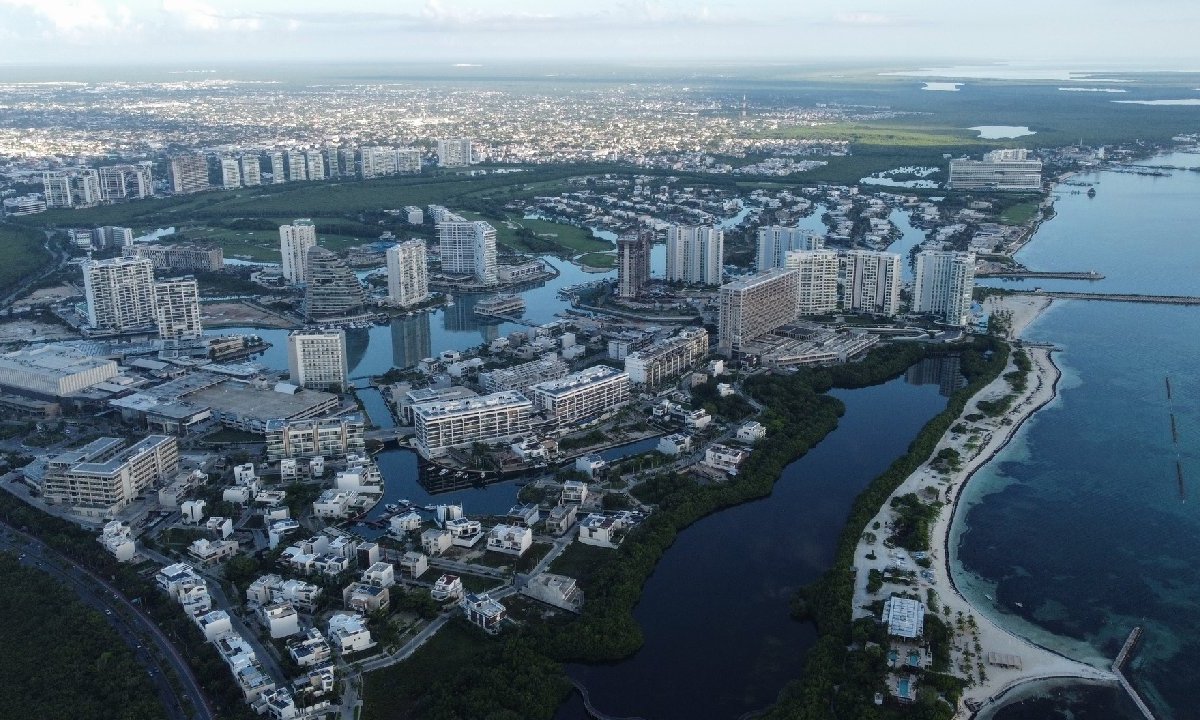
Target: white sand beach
979 444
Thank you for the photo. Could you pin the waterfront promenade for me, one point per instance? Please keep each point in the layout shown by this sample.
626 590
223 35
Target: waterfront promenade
976 448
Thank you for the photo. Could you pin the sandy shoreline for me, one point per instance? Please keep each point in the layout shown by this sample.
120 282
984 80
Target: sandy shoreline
977 446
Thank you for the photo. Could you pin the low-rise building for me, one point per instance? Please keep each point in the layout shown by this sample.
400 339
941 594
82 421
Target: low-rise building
484 612
220 527
414 564
667 359
561 518
324 437
582 396
214 624
365 598
436 541
349 633
460 423
381 574
724 458
675 444
524 515
751 432
591 465
557 590
904 617
100 479
601 530
207 551
447 587
510 539
280 619
576 491
406 523
310 649
117 538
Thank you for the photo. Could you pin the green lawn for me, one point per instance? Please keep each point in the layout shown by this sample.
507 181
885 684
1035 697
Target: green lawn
1020 213
599 260
21 254
566 239
880 134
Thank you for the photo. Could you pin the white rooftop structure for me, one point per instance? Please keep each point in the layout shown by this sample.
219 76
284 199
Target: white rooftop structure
905 617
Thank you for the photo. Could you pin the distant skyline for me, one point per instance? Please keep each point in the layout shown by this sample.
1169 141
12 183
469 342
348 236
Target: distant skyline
1155 34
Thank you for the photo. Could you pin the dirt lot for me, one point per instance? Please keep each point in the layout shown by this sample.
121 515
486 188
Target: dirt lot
235 313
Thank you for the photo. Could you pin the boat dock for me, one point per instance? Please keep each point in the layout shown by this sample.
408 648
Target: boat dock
1040 274
1118 666
1115 297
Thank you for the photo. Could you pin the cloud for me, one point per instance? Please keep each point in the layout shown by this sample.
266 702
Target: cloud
197 15
71 19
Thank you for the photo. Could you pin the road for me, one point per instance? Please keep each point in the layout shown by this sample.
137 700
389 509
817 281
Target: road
467 568
134 627
409 647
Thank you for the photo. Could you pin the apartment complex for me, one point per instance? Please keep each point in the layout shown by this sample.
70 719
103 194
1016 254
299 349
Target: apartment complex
1009 170
75 187
872 282
695 254
178 257
468 248
408 275
667 359
100 479
945 283
754 306
189 174
126 182
251 170
378 161
231 173
120 294
524 376
331 289
442 425
454 152
776 241
317 360
583 395
817 281
295 241
633 263
177 309
327 437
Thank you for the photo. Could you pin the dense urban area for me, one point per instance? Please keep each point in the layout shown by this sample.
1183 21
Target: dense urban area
242 320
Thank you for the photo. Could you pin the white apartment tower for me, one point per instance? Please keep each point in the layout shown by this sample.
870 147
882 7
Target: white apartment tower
444 424
297 165
251 170
315 165
231 173
408 277
776 241
754 306
177 309
120 294
454 152
945 282
817 280
189 173
294 243
278 171
468 248
872 282
695 254
581 396
1009 170
317 360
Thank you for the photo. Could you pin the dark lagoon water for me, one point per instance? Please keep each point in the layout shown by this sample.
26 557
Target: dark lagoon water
406 340
718 638
1082 519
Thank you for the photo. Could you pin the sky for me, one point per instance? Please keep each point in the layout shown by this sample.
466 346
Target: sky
1113 33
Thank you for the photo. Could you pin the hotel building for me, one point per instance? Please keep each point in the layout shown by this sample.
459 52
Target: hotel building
408 276
872 282
317 360
945 283
754 306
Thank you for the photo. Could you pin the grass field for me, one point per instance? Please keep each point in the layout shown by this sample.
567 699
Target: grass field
569 238
1020 213
21 254
599 260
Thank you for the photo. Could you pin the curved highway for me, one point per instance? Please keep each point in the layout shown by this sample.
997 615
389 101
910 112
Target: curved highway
150 646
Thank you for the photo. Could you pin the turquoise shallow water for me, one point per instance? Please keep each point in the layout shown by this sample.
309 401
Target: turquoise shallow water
1080 530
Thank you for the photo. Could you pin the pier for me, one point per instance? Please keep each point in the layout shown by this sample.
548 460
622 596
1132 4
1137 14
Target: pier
1117 297
1040 274
1118 665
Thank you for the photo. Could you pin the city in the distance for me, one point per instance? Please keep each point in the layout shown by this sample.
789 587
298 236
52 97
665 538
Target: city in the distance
540 360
